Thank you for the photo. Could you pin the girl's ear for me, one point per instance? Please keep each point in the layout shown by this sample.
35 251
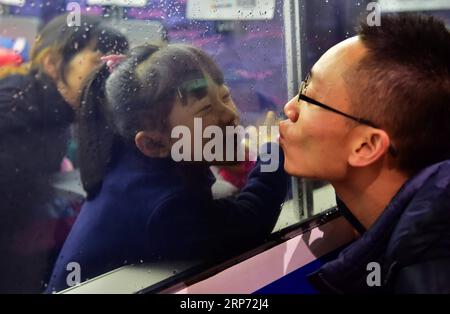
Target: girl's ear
153 144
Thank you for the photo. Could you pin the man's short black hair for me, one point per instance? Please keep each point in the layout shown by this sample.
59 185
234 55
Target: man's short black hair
403 84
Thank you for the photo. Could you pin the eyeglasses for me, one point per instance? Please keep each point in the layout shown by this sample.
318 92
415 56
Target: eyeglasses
302 96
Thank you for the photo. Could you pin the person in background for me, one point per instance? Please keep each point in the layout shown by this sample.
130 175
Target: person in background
373 118
38 101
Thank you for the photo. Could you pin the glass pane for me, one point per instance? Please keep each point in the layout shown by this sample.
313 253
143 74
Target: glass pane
245 39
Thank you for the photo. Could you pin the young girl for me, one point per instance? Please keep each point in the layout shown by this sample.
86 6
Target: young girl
142 205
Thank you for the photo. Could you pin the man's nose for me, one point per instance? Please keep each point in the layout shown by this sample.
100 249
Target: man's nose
291 110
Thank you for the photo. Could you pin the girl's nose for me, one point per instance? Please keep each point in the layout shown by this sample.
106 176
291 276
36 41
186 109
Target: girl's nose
228 116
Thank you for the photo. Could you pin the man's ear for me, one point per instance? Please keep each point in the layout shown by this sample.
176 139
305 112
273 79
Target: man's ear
368 147
50 66
153 144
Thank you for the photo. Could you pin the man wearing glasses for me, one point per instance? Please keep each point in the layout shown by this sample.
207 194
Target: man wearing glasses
373 118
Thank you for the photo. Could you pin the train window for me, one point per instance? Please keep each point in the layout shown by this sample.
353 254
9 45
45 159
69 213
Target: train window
91 95
244 40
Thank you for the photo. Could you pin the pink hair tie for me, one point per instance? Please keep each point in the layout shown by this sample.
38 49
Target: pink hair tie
112 61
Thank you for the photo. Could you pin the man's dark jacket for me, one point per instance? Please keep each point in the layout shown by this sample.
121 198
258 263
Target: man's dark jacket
410 242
